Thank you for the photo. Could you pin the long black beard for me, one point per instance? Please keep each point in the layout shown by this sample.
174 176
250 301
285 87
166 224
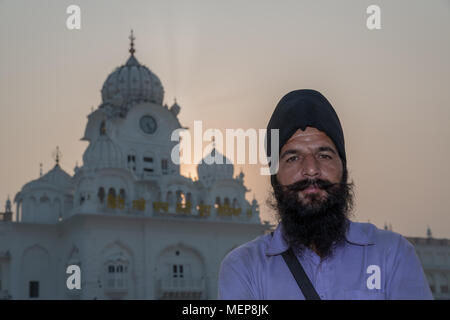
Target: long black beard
320 224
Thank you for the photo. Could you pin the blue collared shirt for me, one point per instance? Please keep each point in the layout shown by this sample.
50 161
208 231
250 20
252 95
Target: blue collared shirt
371 264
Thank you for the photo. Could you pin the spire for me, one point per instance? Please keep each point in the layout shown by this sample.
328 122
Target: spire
8 205
57 155
40 169
132 61
213 152
132 38
429 235
175 108
254 202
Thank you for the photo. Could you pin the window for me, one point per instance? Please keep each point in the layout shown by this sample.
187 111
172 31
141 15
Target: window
177 271
164 166
102 128
148 164
116 278
217 204
131 162
121 199
34 289
444 289
101 194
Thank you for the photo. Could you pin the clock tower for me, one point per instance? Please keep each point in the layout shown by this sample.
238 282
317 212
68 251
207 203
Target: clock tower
129 135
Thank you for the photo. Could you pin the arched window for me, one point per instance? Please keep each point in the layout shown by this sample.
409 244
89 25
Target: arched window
102 128
235 203
101 194
112 198
116 275
217 204
180 196
189 197
226 202
82 198
131 160
121 199
112 192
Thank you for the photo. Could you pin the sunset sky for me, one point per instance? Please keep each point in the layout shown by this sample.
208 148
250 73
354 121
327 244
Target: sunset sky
228 63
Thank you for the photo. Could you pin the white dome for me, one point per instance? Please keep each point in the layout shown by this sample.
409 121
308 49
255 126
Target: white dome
56 177
103 153
132 82
208 173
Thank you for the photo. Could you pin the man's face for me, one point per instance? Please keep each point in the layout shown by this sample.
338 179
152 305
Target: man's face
309 155
313 198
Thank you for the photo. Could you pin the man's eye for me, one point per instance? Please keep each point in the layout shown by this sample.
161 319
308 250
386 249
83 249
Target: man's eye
324 156
293 158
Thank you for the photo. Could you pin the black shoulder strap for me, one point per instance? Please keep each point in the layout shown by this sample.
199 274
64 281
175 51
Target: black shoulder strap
300 275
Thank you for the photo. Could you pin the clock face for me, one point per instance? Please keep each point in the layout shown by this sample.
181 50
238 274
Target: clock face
148 124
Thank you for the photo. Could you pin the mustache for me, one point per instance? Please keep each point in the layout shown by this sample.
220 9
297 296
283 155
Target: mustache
305 183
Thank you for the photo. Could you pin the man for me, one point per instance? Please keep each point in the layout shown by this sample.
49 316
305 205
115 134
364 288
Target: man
339 259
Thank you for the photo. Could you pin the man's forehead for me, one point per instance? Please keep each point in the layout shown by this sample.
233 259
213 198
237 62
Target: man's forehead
309 132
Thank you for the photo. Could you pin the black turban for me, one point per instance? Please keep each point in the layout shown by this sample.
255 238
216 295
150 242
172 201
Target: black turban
300 109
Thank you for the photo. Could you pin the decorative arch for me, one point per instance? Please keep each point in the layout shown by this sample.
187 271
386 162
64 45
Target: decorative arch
180 272
36 273
117 271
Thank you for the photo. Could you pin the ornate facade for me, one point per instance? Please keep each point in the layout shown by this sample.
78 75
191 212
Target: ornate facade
137 228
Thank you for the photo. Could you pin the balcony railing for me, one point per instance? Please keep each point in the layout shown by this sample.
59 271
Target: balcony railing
181 288
177 209
116 285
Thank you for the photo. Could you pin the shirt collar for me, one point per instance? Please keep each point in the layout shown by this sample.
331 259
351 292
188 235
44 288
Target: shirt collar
357 233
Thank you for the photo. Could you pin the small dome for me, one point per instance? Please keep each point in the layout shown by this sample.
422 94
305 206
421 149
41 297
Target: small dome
208 173
103 153
56 177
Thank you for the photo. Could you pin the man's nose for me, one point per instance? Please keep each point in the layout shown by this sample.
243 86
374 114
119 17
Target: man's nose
311 168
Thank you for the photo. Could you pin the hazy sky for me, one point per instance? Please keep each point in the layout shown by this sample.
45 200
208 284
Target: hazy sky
228 63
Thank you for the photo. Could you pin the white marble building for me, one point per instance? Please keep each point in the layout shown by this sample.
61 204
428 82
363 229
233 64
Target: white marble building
137 228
